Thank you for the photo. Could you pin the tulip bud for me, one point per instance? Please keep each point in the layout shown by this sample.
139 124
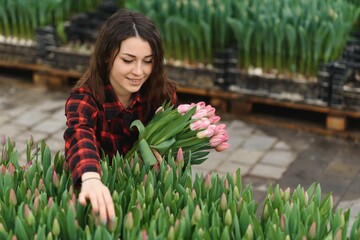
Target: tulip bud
2 170
50 201
282 222
71 189
214 119
55 179
2 228
312 231
287 237
12 197
131 163
177 225
226 185
160 109
223 146
150 191
331 202
239 205
306 198
29 216
115 197
3 139
228 217
249 232
176 196
180 156
156 167
36 204
137 169
28 194
223 202
49 236
171 233
338 235
207 183
200 233
66 166
112 224
144 234
145 178
11 169
5 155
197 215
193 194
266 212
236 192
342 221
286 194
36 192
183 108
55 228
129 221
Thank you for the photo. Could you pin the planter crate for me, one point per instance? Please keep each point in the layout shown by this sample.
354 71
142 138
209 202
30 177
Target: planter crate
275 87
59 58
191 76
16 53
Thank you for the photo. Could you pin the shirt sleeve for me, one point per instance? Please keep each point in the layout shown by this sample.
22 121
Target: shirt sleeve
81 152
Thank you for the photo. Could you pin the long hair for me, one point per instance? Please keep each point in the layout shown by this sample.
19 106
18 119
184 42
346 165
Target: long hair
118 27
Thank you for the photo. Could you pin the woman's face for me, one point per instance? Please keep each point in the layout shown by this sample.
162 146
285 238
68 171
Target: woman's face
132 67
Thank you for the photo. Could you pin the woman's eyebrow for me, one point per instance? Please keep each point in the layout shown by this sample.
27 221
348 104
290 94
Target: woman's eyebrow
130 55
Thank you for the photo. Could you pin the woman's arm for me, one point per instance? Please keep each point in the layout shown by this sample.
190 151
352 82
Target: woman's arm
83 157
81 151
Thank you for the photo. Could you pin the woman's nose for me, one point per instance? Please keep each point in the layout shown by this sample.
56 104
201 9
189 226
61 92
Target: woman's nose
138 68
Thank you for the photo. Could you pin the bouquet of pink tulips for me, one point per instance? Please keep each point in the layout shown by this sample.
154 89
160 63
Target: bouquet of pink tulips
190 130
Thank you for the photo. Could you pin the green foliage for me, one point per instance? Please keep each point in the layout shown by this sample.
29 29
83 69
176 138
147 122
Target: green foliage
290 36
160 201
20 18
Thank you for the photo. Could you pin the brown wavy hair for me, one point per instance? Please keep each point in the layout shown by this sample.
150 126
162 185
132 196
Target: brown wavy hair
121 25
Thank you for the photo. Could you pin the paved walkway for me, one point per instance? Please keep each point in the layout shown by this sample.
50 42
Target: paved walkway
265 155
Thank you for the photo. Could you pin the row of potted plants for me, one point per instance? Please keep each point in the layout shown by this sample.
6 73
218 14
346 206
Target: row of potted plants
289 36
37 200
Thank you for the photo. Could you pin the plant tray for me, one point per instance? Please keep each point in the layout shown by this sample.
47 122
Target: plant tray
17 53
63 59
351 98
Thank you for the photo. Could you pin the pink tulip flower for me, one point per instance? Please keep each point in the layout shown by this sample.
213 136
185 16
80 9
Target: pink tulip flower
179 155
200 124
209 132
183 108
216 140
199 114
223 146
210 110
214 119
159 109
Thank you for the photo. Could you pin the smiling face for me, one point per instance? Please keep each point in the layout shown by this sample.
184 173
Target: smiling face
131 68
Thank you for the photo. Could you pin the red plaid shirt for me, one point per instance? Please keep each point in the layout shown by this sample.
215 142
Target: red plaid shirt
92 127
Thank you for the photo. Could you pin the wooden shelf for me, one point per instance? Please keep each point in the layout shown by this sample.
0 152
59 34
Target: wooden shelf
225 101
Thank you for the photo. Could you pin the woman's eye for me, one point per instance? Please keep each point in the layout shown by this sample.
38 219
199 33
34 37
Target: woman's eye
127 61
148 61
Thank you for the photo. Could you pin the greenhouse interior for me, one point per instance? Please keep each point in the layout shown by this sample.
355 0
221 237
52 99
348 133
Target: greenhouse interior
287 64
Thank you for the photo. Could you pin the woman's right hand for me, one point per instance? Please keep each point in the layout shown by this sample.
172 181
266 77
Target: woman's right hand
99 195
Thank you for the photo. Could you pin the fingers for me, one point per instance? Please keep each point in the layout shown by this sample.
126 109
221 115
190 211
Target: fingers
100 200
110 207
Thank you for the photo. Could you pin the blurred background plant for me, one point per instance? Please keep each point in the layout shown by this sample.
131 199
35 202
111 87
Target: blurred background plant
282 36
289 36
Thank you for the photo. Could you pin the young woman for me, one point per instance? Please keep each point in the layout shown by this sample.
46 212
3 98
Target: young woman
125 81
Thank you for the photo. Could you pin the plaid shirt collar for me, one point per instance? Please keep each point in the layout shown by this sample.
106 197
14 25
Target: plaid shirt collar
113 107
